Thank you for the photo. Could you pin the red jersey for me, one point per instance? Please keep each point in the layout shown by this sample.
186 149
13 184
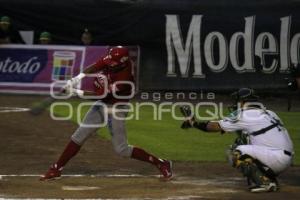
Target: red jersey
114 74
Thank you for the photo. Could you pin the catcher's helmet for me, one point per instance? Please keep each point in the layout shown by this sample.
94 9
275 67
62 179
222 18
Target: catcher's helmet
245 95
242 95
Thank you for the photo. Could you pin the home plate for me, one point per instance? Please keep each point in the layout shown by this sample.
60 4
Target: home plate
79 188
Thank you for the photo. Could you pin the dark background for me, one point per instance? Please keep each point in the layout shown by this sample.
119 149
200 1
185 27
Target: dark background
142 22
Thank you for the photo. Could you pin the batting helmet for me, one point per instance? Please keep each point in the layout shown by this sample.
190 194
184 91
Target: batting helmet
118 54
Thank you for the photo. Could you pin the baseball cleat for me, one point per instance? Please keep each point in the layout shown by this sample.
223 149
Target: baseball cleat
166 170
52 174
270 187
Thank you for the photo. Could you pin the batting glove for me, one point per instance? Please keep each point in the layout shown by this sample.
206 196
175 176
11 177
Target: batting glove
77 92
76 80
73 91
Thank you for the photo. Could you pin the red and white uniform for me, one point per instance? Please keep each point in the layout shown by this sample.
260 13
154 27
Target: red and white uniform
115 66
124 73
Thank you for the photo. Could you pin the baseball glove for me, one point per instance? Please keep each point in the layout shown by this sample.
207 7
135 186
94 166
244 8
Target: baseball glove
187 113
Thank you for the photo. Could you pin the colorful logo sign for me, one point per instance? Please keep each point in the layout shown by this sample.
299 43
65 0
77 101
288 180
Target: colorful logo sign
63 63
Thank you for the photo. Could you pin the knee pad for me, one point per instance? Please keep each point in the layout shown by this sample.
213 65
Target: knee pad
249 168
267 171
246 166
234 157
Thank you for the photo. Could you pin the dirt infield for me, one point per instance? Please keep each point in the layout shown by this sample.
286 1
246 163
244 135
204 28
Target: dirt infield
28 145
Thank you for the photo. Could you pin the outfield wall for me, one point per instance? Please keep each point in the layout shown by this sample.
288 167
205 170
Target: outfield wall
185 45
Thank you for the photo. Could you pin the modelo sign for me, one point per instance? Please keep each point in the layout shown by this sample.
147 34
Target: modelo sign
239 51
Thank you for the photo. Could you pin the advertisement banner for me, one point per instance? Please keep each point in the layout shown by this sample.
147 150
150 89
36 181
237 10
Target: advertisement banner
223 52
185 45
32 69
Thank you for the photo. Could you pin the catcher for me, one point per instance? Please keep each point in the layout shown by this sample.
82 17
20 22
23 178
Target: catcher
264 149
115 67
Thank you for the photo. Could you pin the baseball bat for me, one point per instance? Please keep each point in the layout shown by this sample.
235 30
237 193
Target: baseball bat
39 108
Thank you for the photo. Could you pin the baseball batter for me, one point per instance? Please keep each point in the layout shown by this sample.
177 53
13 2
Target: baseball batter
270 149
116 66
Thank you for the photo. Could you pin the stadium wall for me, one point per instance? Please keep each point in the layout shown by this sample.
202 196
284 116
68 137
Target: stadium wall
185 45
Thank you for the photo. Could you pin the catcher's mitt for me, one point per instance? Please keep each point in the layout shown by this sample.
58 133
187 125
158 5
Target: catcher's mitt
187 113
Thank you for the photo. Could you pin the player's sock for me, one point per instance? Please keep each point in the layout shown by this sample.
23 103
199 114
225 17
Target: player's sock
140 154
70 151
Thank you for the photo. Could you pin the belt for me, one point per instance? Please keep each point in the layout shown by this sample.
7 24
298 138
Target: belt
287 153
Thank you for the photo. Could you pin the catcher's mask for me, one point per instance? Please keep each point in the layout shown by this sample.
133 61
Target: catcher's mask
243 95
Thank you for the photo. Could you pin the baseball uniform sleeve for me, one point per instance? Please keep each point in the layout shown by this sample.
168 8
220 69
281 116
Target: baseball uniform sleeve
233 123
230 126
100 64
